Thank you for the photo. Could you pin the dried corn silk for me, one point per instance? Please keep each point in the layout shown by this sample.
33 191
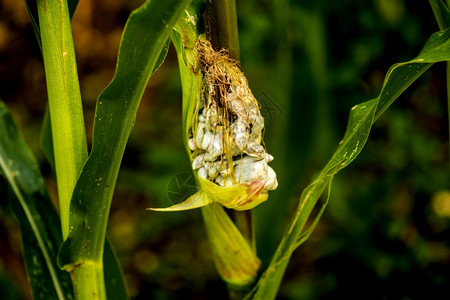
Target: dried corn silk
227 127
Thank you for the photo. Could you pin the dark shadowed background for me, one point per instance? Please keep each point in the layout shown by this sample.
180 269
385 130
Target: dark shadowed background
386 230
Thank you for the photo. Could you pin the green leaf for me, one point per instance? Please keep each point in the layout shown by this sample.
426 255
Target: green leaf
307 233
46 139
362 116
183 38
114 278
39 222
46 130
144 37
161 58
51 23
41 281
64 98
33 12
441 12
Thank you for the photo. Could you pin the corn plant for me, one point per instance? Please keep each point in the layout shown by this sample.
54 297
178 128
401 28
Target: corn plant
67 254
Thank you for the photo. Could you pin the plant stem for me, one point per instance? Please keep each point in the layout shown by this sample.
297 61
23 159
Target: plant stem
67 122
66 112
443 23
222 31
448 91
88 282
221 26
448 101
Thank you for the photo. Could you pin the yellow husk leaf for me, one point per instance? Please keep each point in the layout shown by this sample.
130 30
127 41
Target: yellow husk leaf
242 196
235 260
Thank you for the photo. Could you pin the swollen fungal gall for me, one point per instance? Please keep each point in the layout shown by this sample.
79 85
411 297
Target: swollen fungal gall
226 132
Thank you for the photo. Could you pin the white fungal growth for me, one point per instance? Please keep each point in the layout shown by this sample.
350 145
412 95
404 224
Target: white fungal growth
227 128
191 144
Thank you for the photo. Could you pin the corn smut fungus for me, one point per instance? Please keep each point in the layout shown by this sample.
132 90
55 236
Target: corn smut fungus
225 137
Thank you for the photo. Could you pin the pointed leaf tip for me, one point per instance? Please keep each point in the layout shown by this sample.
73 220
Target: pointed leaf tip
195 201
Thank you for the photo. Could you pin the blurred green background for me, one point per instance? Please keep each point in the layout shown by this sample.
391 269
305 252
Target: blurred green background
385 233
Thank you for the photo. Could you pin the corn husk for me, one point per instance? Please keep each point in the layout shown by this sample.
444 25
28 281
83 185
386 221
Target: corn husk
235 258
223 128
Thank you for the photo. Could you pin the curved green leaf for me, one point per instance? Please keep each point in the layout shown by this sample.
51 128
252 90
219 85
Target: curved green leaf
362 116
38 219
145 35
